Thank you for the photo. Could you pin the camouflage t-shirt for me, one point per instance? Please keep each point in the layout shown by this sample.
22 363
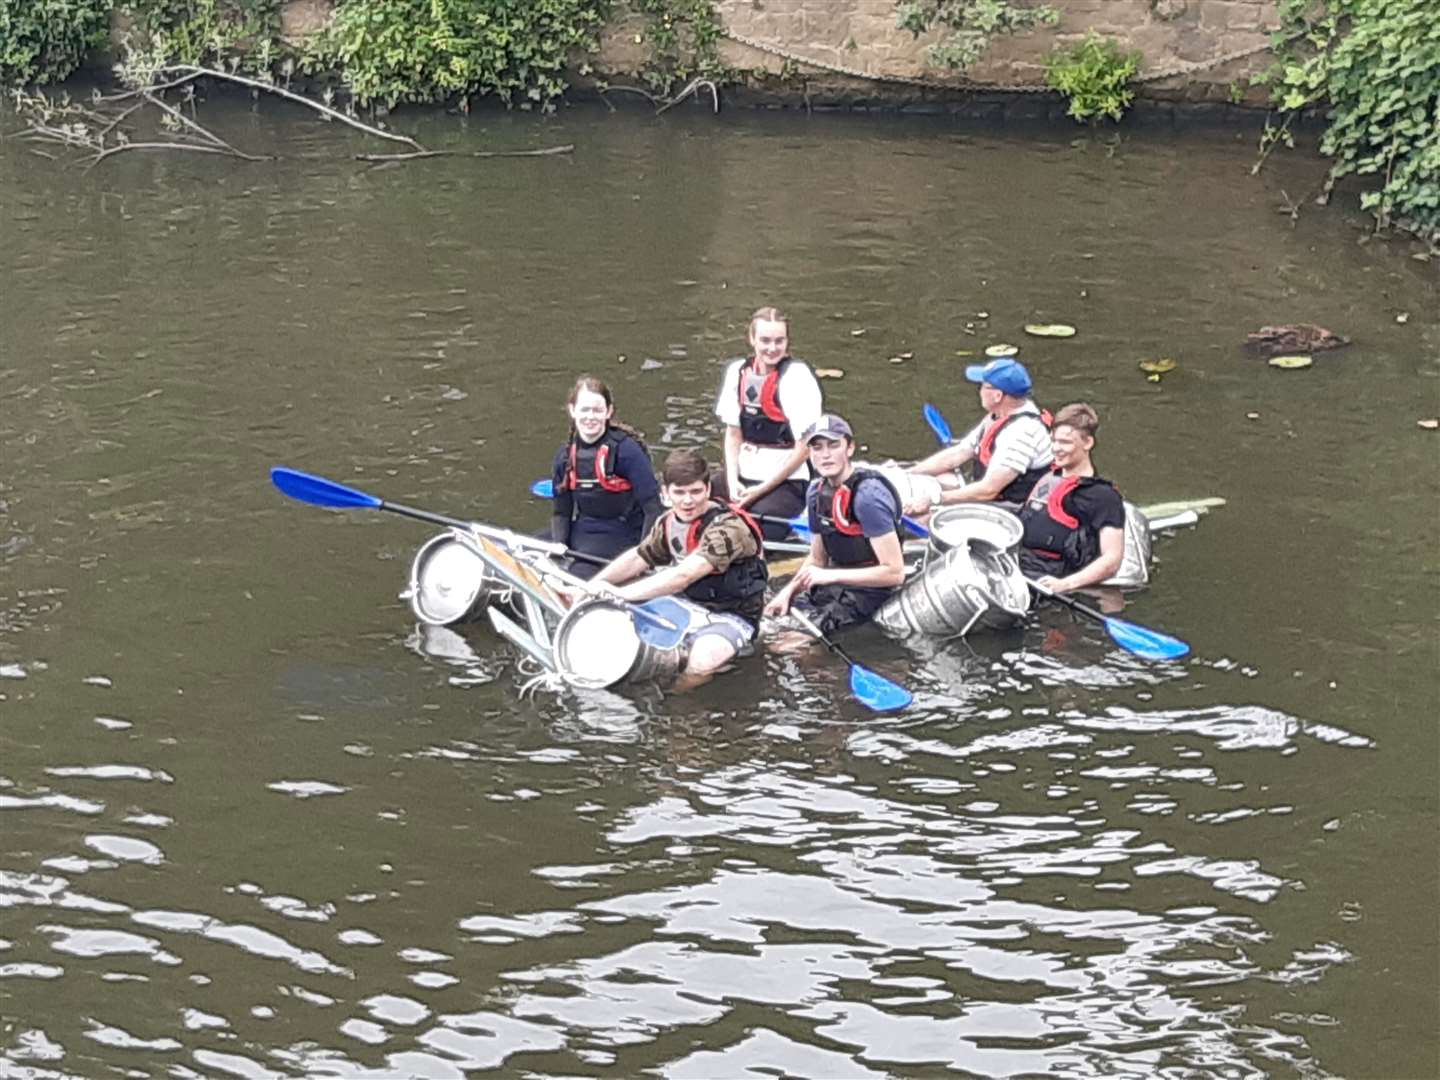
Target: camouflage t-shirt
725 540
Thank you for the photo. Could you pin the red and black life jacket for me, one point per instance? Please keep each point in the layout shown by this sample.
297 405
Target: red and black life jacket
762 420
741 588
595 488
1052 531
845 542
1017 490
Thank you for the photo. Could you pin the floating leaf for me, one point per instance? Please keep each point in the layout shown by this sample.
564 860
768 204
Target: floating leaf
1158 367
1428 425
829 373
1291 361
1049 330
1001 350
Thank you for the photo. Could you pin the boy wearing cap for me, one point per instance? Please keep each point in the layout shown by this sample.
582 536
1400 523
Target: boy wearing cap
1010 446
855 558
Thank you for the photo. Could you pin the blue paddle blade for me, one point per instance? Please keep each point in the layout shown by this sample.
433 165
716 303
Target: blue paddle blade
800 526
914 526
543 488
318 491
938 424
1144 642
662 621
876 691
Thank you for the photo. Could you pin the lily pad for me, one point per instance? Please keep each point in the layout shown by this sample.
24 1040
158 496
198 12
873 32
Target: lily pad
1050 329
829 373
1158 367
1001 350
1291 361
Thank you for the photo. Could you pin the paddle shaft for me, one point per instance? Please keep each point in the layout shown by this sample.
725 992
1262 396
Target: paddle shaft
1068 601
456 523
805 621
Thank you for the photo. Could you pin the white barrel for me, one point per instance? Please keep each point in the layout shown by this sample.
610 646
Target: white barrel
601 642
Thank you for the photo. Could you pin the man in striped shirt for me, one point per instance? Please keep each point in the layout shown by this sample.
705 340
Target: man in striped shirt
1010 446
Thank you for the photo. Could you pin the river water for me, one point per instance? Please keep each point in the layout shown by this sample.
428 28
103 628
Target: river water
253 823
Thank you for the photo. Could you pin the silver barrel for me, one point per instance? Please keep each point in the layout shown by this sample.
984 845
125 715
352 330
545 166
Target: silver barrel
970 577
449 583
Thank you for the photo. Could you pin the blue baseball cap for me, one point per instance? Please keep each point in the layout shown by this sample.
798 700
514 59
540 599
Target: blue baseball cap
1005 374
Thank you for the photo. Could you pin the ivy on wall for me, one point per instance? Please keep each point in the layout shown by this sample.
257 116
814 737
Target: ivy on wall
431 50
969 25
1376 65
1095 76
43 41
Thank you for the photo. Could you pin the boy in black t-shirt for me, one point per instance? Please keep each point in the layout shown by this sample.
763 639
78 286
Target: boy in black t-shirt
1074 520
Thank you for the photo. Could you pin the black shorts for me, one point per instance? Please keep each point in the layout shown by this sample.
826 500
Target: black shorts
838 607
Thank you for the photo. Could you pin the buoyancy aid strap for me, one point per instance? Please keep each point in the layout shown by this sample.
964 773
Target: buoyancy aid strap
769 389
1055 501
991 433
602 469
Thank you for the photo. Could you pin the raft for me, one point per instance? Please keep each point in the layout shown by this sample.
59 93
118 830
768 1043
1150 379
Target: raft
964 577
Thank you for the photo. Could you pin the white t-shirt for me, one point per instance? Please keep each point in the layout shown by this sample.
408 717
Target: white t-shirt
802 402
1021 445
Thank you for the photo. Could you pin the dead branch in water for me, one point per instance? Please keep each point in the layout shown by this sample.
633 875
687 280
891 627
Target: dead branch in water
568 148
195 71
101 130
694 87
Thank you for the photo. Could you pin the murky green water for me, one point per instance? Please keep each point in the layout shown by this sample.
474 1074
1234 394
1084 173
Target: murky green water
253 823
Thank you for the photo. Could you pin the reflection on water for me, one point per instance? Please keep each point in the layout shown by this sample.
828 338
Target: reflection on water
255 822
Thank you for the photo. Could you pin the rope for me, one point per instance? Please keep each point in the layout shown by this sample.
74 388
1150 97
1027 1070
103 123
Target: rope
961 82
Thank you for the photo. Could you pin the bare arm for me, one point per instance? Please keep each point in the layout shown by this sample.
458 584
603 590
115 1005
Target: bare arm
1101 568
732 460
888 571
986 489
626 566
947 459
667 582
780 602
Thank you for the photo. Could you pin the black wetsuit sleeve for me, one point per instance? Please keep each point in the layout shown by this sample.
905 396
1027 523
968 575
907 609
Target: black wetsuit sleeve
563 510
653 509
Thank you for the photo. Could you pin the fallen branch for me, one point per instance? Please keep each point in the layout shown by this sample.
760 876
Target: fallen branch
271 88
194 148
695 86
568 148
200 130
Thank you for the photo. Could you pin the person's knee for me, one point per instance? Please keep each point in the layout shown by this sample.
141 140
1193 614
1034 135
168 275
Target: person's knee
710 652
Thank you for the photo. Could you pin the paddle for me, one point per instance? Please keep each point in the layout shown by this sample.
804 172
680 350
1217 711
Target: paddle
1140 640
318 491
938 424
870 689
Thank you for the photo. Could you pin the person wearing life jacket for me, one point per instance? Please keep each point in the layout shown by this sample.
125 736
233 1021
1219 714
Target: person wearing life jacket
606 495
1074 520
1010 446
856 559
710 552
766 400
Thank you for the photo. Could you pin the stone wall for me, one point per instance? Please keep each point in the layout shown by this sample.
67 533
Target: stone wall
850 51
1194 50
